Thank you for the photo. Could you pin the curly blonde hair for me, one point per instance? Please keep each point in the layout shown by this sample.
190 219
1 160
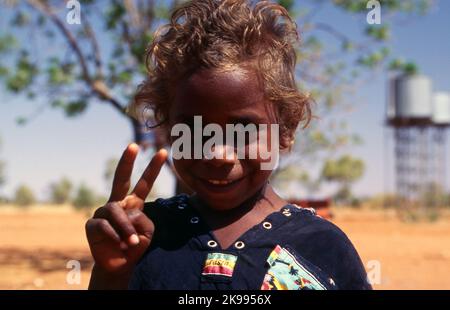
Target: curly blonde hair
219 34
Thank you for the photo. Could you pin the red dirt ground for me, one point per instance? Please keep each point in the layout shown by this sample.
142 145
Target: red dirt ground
36 244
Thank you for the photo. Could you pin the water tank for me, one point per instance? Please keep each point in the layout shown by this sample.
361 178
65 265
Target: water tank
413 95
441 108
390 108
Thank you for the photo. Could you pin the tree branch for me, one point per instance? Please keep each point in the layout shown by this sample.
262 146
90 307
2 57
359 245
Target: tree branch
97 86
329 29
133 13
46 10
95 47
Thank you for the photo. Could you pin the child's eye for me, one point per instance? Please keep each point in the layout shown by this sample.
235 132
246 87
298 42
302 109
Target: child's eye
243 133
189 122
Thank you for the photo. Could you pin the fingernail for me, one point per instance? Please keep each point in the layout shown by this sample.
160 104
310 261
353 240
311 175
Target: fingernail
163 152
134 239
133 146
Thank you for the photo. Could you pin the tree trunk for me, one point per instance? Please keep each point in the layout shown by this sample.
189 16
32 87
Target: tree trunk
158 142
138 135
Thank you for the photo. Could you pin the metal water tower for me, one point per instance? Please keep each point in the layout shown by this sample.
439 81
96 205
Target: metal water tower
419 120
441 121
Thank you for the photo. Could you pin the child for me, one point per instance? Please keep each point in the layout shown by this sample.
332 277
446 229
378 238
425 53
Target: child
229 62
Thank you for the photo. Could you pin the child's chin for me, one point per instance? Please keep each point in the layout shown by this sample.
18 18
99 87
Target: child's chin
223 204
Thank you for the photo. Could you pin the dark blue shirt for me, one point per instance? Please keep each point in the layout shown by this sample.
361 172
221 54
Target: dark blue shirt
290 249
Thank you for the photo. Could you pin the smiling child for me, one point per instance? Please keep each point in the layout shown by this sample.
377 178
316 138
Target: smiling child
228 62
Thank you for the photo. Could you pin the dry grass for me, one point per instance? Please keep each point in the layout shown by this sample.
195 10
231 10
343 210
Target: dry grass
37 243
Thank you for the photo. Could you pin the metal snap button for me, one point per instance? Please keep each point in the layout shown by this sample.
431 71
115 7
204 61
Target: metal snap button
212 243
194 220
182 206
286 212
267 225
239 245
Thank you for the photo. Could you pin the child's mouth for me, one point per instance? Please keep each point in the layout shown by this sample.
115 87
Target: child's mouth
220 182
220 185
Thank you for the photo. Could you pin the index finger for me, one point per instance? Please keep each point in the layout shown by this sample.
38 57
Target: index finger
145 183
121 181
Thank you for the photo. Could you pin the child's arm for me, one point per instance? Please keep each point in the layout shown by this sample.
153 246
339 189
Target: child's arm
119 232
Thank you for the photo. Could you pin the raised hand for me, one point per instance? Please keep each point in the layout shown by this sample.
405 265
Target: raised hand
119 232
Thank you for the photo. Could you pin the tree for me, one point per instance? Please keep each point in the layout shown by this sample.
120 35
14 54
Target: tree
332 66
60 191
100 61
433 195
24 196
344 171
84 198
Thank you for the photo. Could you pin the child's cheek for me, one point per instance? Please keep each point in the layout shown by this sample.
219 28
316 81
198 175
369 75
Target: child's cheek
182 167
263 151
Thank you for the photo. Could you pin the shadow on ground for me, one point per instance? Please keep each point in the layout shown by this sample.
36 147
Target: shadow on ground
44 260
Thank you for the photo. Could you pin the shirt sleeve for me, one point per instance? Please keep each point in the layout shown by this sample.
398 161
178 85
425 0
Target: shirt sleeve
329 248
346 265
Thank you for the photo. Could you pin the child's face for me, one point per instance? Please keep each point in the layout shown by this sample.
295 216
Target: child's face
222 97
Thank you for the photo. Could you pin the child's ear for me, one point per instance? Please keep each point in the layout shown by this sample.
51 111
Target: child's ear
287 142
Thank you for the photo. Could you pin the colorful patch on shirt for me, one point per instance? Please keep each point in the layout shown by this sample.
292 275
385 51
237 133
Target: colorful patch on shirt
287 273
219 264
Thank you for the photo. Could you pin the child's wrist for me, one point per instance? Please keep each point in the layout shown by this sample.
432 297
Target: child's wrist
104 279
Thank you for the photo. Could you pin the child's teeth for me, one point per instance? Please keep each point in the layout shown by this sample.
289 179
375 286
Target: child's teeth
218 182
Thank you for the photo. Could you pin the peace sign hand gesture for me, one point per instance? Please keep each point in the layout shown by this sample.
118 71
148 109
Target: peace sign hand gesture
119 232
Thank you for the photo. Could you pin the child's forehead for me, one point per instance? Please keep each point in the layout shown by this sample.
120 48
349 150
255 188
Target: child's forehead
216 92
221 84
231 77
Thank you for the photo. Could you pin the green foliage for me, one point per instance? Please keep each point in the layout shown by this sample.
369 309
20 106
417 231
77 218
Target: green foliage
354 6
408 68
21 19
24 196
343 171
374 59
7 42
434 196
140 44
411 6
72 108
288 4
112 53
60 191
114 14
70 74
60 73
346 169
23 75
75 108
378 32
84 198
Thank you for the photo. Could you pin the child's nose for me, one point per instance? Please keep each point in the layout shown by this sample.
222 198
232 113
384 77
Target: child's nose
222 155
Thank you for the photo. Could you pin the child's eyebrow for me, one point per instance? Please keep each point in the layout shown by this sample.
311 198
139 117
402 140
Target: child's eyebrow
239 118
183 118
247 118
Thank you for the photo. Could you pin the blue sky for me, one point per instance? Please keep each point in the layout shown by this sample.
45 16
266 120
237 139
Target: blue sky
52 146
